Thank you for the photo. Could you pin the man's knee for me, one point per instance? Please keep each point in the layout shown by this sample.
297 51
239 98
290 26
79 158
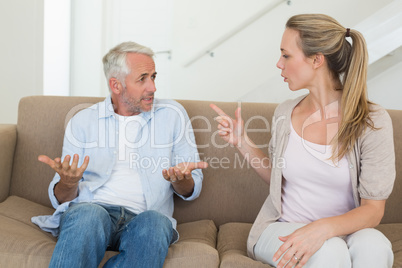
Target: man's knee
85 214
152 224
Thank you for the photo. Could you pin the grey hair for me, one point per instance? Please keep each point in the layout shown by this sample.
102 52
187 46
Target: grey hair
115 61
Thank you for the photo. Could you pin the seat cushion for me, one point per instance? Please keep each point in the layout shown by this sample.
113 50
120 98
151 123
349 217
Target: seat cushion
195 248
393 231
184 254
22 209
232 246
23 244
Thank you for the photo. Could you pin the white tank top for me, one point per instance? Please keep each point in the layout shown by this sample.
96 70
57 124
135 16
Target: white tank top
313 186
124 187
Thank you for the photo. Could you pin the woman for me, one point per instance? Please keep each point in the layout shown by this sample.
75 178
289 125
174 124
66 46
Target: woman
338 152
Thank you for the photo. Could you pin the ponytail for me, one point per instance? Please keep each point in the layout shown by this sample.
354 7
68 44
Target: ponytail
348 64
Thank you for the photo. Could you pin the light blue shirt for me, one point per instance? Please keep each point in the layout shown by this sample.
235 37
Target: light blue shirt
165 139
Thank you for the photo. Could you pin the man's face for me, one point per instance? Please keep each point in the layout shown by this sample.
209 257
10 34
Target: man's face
138 95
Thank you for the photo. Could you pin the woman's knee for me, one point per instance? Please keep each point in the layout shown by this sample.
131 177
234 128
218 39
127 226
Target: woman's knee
368 238
334 251
370 246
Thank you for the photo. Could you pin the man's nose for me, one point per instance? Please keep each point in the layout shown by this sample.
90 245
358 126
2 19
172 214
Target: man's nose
151 86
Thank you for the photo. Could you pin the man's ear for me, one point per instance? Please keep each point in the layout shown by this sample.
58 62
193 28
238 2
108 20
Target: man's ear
318 60
115 85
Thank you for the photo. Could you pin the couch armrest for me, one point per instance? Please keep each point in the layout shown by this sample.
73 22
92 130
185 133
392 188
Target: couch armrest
8 139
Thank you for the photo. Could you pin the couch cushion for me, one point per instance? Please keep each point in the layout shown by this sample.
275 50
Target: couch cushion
8 138
23 244
394 233
195 248
393 206
22 209
232 248
203 231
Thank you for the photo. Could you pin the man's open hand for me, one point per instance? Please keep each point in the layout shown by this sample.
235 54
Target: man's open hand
182 171
70 175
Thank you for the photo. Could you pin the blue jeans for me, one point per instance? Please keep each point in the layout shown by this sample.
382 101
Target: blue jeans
87 230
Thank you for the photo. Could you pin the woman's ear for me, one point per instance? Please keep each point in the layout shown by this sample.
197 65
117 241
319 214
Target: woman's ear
115 85
318 60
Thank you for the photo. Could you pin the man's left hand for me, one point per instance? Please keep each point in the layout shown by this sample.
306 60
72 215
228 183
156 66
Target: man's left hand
182 171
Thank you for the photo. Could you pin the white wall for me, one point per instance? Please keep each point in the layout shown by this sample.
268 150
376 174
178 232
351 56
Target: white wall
97 26
21 70
386 88
243 68
87 48
56 47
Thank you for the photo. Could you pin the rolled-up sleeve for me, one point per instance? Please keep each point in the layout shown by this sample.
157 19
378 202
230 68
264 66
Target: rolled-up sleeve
377 159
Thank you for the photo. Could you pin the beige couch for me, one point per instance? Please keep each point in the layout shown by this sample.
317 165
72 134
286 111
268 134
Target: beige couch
213 229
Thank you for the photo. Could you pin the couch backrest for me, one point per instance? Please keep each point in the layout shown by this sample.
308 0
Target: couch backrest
232 191
394 203
40 130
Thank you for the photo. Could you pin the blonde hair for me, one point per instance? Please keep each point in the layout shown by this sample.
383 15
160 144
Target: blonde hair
348 63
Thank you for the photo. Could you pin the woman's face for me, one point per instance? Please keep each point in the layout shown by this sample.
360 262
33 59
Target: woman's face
297 69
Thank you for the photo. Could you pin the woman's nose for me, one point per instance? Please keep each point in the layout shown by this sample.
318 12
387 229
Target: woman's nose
279 64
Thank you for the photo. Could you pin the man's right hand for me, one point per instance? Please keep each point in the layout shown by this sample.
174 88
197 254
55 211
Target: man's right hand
69 175
66 189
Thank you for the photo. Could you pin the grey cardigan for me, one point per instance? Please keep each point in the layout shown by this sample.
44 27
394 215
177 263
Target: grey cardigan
371 164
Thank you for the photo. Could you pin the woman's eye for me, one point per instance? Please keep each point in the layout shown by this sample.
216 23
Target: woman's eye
285 56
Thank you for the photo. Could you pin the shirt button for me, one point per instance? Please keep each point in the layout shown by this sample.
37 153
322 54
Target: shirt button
350 166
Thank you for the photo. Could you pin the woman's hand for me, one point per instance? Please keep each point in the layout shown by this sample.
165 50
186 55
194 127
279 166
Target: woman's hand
231 130
300 245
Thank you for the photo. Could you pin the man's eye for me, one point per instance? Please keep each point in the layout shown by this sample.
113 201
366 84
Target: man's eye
153 77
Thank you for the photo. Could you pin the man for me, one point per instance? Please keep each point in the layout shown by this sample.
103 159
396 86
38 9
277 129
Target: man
123 160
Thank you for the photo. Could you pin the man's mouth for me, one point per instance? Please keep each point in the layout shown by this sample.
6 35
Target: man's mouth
148 99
